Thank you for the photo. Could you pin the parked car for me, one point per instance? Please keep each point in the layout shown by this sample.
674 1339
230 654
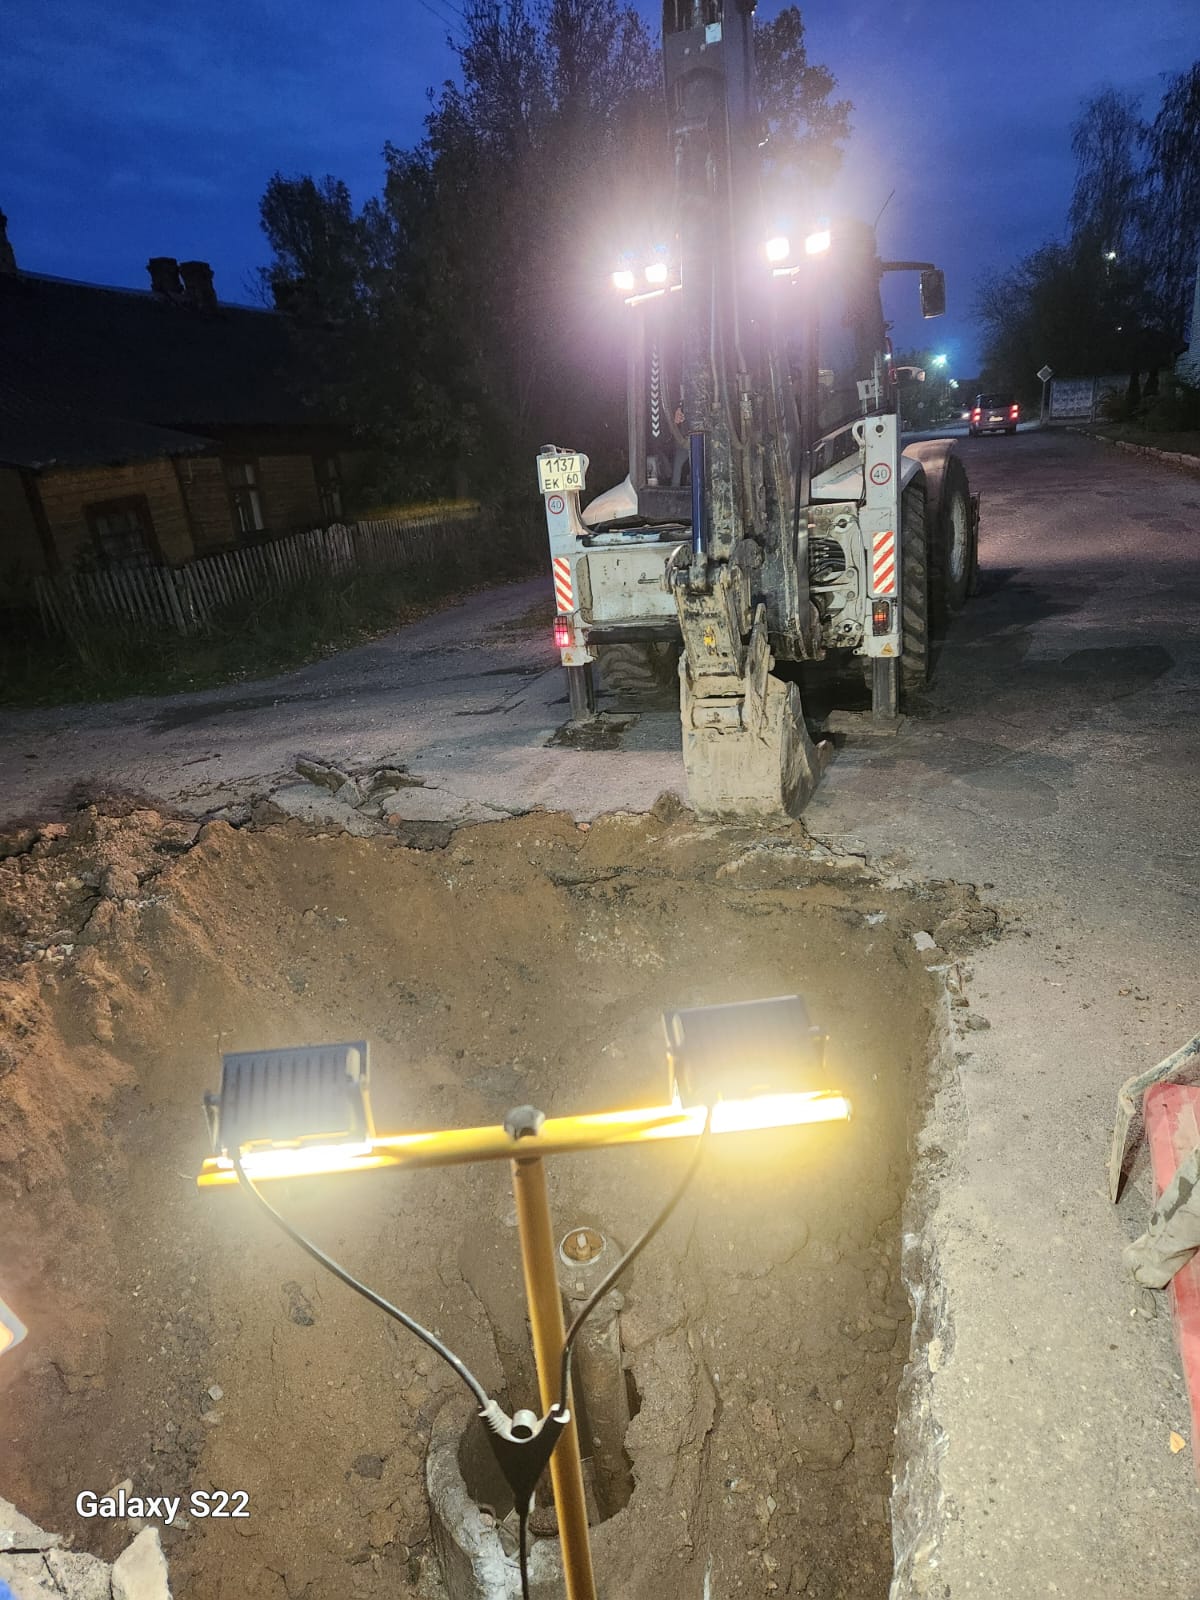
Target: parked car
993 413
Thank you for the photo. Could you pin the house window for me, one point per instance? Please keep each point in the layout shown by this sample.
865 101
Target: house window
329 487
244 496
123 532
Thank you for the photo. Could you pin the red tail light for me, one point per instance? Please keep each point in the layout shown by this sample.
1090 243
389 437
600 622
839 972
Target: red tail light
881 616
564 634
1013 410
976 414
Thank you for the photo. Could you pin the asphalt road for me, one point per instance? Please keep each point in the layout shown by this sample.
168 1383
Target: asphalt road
1057 761
1054 763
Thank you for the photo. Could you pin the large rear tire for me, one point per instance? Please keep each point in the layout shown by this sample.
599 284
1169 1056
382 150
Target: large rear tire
640 669
951 541
914 600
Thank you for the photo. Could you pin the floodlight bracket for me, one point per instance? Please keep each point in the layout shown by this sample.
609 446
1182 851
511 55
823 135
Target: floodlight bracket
522 1445
523 1122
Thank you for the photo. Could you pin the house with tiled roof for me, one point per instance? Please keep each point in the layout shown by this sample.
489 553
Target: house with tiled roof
144 427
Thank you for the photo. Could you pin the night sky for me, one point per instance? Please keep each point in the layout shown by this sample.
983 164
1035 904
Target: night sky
131 129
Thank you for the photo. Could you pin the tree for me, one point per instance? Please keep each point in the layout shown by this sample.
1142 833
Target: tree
316 243
479 324
1173 220
806 128
1109 196
924 402
1113 297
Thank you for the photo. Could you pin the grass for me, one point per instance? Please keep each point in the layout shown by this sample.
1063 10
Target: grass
256 640
1184 441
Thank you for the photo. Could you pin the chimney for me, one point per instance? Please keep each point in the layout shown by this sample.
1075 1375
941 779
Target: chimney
198 288
8 261
164 276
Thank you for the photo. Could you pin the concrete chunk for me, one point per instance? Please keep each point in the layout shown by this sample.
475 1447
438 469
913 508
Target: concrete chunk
18 1533
310 803
25 1577
140 1571
79 1576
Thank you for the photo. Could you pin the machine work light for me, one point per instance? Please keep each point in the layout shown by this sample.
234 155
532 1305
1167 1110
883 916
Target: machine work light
657 273
778 249
817 243
624 280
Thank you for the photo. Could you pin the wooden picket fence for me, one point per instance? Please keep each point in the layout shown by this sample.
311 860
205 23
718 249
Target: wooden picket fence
189 598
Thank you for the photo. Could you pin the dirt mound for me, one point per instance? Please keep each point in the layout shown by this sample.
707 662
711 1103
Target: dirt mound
175 1340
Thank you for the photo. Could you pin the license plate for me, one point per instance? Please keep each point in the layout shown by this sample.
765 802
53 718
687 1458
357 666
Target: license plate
560 474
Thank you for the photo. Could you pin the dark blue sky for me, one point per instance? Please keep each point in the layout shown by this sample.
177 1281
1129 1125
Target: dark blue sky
130 129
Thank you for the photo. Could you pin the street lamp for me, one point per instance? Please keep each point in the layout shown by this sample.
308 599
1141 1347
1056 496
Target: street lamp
939 361
306 1112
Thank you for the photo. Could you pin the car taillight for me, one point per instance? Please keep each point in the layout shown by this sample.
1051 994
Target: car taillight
1013 410
564 634
881 616
976 414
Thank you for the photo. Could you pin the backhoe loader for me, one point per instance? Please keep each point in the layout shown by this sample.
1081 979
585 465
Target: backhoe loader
759 371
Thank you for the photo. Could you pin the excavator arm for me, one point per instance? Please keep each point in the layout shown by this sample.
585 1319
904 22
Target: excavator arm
744 584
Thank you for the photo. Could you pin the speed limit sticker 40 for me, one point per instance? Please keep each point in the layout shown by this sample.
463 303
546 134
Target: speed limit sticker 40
881 474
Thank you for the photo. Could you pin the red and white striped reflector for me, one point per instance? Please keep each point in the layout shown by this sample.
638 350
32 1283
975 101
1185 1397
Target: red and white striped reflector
564 593
883 563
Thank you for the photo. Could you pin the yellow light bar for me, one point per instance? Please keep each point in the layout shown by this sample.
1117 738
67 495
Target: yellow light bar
778 1111
557 1136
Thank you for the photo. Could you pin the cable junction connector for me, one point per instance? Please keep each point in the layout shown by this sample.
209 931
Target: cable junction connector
522 1445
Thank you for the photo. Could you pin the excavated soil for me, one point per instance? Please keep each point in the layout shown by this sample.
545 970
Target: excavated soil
177 1341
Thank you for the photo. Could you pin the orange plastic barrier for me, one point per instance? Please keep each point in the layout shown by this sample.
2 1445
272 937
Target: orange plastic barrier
1173 1131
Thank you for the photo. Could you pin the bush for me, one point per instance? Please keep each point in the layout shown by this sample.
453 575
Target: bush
1175 409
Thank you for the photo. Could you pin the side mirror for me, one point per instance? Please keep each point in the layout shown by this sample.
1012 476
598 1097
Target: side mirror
933 292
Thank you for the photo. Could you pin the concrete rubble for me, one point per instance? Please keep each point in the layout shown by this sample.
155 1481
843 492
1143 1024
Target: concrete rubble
374 800
34 1566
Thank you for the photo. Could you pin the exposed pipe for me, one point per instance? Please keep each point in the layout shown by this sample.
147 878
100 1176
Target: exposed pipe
585 1255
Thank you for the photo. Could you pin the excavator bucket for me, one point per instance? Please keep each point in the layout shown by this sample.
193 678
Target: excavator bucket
765 773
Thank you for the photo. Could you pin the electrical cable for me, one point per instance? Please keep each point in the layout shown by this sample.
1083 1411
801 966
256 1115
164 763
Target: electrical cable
447 1355
351 1282
522 1550
627 1260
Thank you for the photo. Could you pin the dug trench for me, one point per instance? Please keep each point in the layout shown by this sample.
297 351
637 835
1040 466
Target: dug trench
179 1343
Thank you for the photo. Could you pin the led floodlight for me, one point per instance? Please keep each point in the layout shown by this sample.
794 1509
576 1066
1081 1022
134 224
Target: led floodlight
309 1097
12 1329
760 1063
